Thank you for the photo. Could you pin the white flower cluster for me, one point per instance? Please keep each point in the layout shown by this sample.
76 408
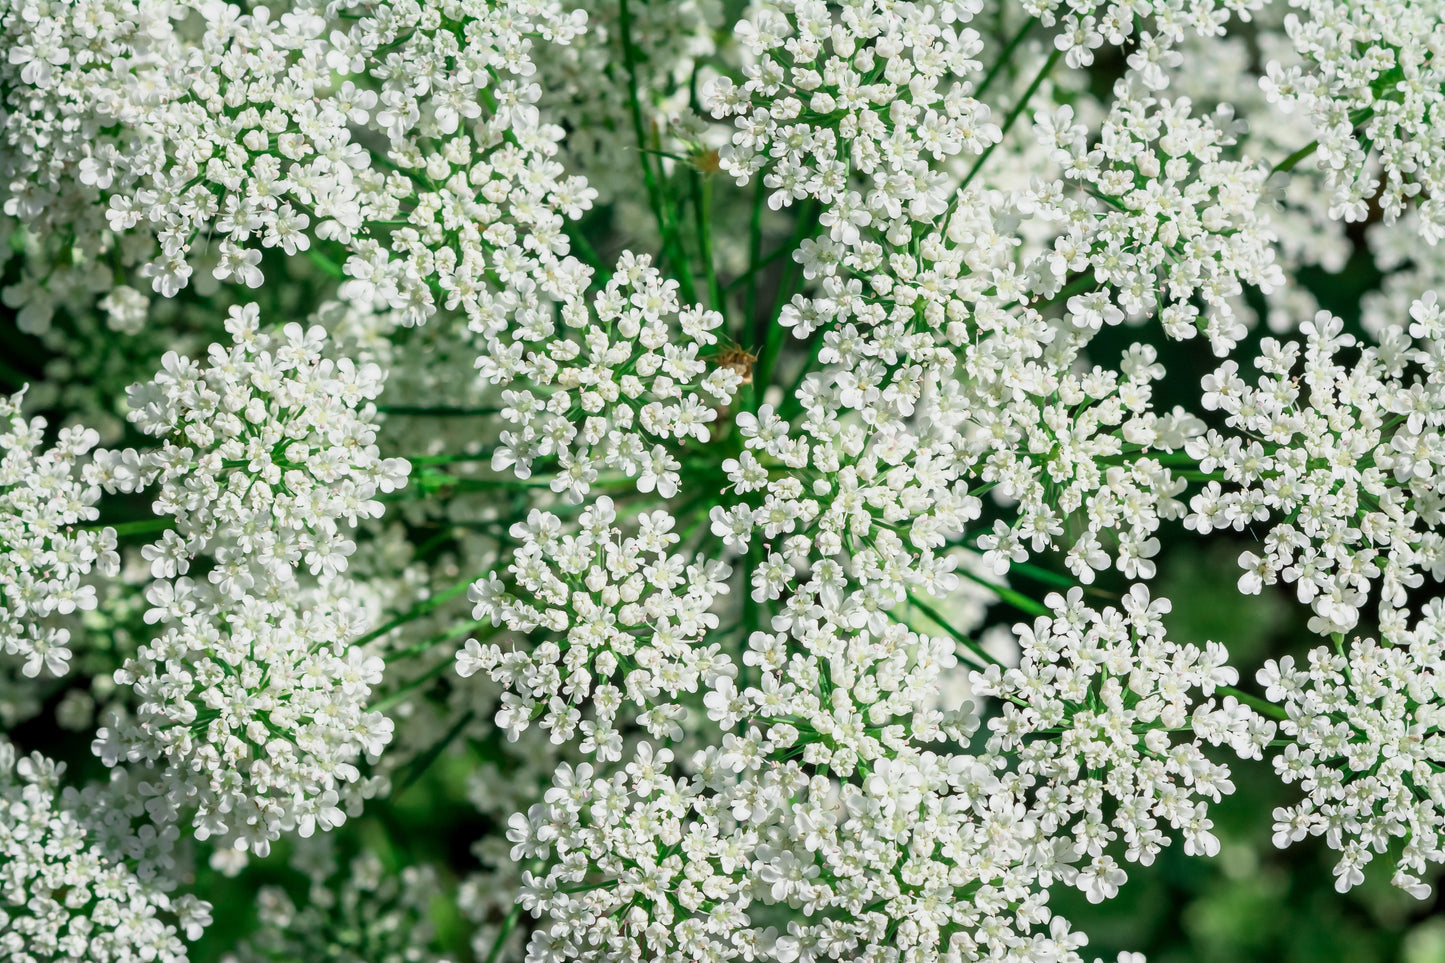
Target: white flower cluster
1345 458
1169 218
878 452
253 699
627 376
1086 25
266 450
472 212
846 518
1086 458
79 884
853 114
508 782
1366 723
46 551
282 158
921 857
1102 715
68 73
629 622
1412 271
1369 79
840 686
254 714
901 852
692 866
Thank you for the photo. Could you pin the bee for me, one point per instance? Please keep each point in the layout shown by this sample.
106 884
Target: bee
706 161
741 360
738 359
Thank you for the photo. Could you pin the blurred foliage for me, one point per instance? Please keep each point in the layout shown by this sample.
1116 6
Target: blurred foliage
431 824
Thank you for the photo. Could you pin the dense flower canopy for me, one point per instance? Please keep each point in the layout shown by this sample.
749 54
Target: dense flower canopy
666 410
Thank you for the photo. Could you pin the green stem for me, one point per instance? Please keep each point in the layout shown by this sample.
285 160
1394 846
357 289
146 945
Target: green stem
510 923
419 460
437 480
763 370
466 628
418 610
143 526
410 688
328 267
418 766
1290 162
1293 160
1084 282
752 273
588 254
777 334
437 412
702 220
1040 574
1018 600
1013 116
792 404
1006 57
755 251
1262 706
654 192
958 636
675 254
